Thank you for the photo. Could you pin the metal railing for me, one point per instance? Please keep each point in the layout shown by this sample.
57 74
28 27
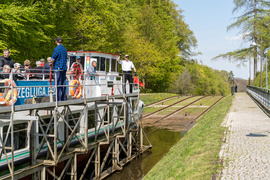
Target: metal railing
261 95
126 113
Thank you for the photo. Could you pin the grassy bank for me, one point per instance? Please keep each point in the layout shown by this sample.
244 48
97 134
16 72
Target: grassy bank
148 98
195 156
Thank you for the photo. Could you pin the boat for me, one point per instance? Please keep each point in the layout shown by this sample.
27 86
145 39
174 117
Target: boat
39 90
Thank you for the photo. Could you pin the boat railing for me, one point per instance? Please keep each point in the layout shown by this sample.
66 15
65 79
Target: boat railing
105 80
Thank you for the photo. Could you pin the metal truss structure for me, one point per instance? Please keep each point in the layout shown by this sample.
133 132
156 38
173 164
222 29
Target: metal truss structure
103 133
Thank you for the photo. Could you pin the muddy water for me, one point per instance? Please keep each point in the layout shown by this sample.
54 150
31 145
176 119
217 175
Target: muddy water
162 140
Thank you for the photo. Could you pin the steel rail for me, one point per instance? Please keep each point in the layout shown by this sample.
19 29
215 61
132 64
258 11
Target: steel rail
176 111
192 120
160 100
167 107
200 115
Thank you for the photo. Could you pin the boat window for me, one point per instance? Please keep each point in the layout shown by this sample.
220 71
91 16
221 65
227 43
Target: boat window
102 64
113 65
73 59
107 64
97 58
20 136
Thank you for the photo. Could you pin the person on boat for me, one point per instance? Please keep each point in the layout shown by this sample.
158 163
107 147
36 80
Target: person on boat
60 65
36 71
127 65
6 59
42 62
17 68
17 71
91 71
5 72
46 67
26 67
77 68
38 68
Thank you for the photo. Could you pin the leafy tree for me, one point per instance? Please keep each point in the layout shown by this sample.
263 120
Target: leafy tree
24 30
250 23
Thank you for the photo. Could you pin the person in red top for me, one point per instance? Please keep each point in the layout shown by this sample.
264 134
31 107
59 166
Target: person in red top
42 62
77 68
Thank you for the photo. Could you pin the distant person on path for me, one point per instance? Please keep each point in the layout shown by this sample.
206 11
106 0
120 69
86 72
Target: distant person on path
235 88
127 65
91 71
6 59
60 66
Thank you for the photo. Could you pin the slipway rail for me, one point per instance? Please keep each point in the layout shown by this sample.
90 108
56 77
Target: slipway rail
150 114
174 120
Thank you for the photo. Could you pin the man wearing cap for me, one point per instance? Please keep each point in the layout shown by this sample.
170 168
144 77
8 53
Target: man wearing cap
60 66
127 65
77 68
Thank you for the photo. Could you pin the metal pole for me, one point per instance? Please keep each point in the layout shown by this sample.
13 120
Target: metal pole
266 71
249 68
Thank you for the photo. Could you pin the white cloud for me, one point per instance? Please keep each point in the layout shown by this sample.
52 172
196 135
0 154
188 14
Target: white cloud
233 38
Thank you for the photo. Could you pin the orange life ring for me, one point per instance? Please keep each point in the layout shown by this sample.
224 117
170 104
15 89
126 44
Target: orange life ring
5 96
76 89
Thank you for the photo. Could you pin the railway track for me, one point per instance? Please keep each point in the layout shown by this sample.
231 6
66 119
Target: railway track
160 101
176 111
200 115
150 114
180 109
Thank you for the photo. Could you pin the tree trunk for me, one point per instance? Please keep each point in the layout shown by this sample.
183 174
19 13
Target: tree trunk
255 39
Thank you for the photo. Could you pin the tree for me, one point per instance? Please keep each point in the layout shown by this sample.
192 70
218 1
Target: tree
249 23
24 30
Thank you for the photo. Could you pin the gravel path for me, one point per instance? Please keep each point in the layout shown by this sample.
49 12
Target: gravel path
246 152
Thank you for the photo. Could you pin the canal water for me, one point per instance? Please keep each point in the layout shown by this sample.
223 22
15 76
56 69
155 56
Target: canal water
162 140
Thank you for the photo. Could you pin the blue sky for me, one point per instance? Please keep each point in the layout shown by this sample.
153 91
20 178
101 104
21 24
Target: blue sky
208 20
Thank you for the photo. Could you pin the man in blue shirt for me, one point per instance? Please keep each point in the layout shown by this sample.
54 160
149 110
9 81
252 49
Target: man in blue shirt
60 67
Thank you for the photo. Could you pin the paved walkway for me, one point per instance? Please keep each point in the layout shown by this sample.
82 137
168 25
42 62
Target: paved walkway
246 152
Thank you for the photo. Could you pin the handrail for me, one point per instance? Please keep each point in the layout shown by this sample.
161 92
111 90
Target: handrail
262 95
83 84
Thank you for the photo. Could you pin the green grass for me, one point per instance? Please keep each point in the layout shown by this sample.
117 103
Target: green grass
195 156
149 98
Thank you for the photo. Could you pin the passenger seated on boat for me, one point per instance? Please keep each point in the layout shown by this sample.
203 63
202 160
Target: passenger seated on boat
91 71
6 72
46 67
26 67
17 67
17 71
42 62
36 72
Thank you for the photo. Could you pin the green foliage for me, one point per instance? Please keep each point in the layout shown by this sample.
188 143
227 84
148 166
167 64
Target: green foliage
153 33
201 80
23 31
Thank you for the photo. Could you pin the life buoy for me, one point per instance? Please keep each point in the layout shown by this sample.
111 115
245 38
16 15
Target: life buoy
6 93
76 89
